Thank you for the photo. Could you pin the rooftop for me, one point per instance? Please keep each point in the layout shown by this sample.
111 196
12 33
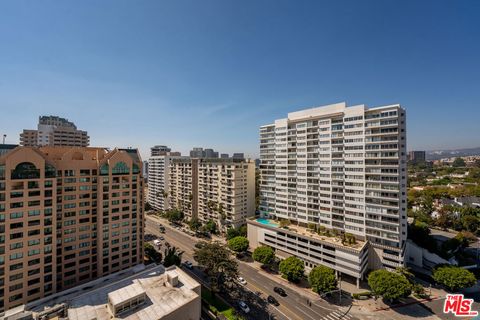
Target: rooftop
300 230
89 301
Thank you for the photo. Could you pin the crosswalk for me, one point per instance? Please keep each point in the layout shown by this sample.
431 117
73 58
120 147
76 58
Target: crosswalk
337 315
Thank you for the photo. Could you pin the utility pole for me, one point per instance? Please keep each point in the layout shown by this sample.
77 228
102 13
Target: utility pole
4 137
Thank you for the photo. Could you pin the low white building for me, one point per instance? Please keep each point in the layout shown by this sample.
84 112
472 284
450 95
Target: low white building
139 293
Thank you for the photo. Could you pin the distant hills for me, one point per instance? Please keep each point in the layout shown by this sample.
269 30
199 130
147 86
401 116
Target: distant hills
439 154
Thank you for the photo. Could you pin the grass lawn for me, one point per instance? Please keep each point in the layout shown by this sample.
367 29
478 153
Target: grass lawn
217 305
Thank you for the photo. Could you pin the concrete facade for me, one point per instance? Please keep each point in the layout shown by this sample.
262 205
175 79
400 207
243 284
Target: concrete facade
54 131
341 168
67 215
218 189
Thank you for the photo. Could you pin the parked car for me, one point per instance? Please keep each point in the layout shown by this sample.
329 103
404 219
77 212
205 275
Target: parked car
162 238
157 242
188 264
244 306
273 301
280 291
242 281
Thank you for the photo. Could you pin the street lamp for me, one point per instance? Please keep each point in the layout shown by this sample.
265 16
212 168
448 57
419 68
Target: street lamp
4 137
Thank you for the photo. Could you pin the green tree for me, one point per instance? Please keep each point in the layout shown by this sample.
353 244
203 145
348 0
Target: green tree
148 207
322 279
292 269
264 255
174 215
194 224
172 257
210 226
232 233
151 253
238 244
389 285
470 223
216 260
419 232
405 271
458 162
454 278
242 231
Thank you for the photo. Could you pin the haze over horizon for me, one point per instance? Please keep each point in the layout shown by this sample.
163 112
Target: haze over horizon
208 74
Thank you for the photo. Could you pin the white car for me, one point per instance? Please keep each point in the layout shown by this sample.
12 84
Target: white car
157 242
243 306
242 281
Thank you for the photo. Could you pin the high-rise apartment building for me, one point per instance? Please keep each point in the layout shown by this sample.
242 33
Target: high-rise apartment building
159 179
159 150
54 131
341 169
67 215
203 153
417 156
222 190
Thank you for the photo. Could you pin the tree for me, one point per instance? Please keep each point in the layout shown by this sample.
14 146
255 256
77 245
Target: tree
172 257
174 215
284 223
264 255
232 233
292 269
454 278
322 279
405 271
210 226
148 207
458 162
194 224
151 253
470 223
216 260
389 285
419 232
242 231
238 244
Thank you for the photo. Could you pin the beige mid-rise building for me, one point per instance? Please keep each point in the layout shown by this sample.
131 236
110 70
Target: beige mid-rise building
67 215
222 190
54 131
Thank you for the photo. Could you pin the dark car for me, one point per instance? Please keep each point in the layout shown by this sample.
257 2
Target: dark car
280 291
273 301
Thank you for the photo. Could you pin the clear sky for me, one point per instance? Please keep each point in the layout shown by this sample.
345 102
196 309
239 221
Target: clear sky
209 73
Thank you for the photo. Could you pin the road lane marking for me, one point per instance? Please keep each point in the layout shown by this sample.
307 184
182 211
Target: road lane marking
260 290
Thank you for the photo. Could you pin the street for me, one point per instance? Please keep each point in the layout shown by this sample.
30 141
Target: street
294 306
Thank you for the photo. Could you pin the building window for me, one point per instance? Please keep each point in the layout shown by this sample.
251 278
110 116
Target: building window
25 170
120 168
104 169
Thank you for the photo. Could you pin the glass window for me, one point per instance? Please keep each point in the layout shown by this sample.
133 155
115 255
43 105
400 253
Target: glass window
120 168
25 170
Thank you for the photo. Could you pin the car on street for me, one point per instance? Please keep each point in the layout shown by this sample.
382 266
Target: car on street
157 242
280 291
244 306
161 238
188 264
242 281
273 301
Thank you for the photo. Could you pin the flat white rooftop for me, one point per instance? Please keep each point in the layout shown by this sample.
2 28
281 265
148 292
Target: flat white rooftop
162 297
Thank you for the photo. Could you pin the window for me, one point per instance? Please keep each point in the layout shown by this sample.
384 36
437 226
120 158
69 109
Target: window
120 168
25 170
104 169
15 256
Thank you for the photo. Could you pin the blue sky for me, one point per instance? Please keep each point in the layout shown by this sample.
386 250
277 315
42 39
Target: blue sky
209 73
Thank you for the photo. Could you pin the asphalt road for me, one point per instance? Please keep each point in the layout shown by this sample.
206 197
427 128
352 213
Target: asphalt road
294 306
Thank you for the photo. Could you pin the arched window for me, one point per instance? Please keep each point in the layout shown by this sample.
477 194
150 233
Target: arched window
120 168
135 168
26 170
104 169
50 171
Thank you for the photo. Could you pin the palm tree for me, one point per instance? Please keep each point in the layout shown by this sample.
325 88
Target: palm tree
172 257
